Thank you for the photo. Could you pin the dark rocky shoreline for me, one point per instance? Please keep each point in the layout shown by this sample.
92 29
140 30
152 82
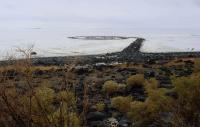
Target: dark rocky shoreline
129 54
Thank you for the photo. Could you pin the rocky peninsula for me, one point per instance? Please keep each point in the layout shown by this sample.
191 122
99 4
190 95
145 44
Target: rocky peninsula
131 53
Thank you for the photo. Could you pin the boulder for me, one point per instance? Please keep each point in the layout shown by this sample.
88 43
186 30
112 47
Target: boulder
111 122
82 69
124 123
96 116
149 74
168 86
172 94
96 124
38 72
10 74
189 62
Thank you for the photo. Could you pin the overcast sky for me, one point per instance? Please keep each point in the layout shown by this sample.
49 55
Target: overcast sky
104 13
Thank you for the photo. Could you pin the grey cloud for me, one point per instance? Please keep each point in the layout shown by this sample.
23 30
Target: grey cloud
197 2
110 13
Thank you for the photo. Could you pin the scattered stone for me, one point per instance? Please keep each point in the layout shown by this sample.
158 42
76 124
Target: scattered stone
164 82
10 74
80 70
162 62
166 118
96 116
100 66
38 72
150 62
172 94
168 86
96 124
189 62
124 123
111 122
149 74
146 66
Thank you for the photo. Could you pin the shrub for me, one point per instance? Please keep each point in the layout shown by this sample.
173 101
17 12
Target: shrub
197 65
151 84
45 97
121 87
100 106
135 81
110 87
41 105
69 119
186 110
58 108
158 101
28 102
137 113
148 112
67 97
121 103
66 113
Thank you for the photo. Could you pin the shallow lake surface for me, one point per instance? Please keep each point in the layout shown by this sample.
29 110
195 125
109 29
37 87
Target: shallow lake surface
54 41
171 43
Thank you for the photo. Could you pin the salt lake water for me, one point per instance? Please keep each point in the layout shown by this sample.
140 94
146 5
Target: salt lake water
54 41
177 42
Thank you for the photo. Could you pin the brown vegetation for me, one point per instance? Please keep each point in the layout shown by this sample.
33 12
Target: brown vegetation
186 108
110 87
32 104
121 103
27 100
135 81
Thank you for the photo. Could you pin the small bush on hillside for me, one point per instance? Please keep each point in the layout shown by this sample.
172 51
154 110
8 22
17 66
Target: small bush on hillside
186 110
151 84
135 81
69 119
67 97
45 95
100 106
122 87
43 104
29 103
57 108
137 113
148 112
121 103
197 65
110 87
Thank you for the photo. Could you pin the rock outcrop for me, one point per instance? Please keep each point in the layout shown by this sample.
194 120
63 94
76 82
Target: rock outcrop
133 47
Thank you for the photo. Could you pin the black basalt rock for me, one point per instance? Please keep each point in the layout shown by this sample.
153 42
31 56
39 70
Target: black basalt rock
134 47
